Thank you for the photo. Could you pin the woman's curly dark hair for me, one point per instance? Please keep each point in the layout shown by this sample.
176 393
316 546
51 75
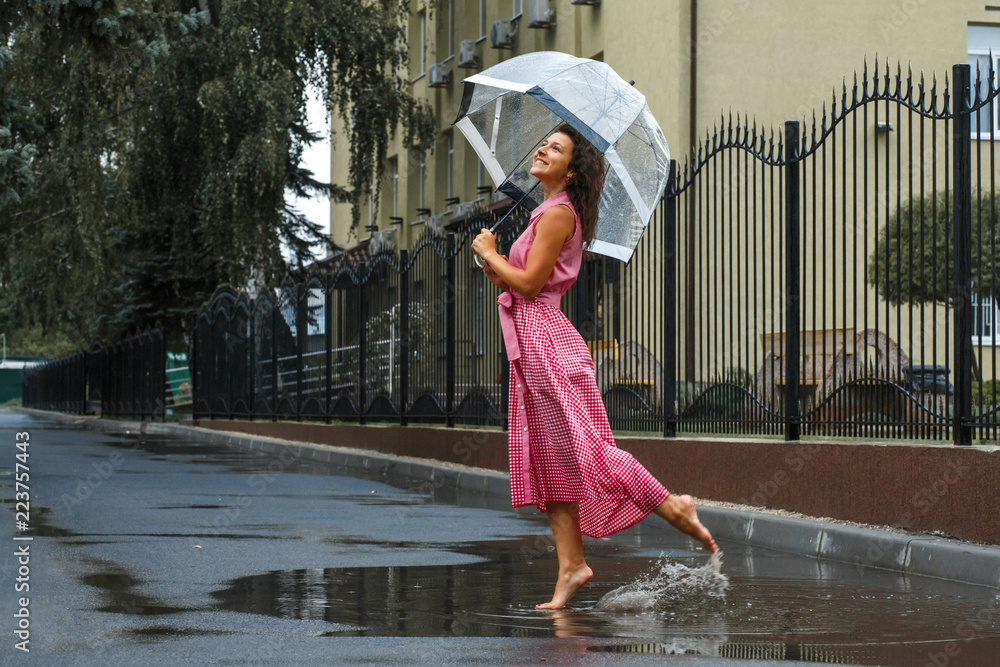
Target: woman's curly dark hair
584 188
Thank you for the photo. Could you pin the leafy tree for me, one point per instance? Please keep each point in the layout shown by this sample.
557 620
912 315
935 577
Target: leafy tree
152 145
913 261
64 69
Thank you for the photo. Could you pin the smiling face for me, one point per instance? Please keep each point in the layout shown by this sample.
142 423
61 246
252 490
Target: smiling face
551 162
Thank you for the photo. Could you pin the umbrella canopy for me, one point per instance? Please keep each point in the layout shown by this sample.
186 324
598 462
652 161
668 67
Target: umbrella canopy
510 108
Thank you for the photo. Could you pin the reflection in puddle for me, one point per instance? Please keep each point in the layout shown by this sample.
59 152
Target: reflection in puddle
778 617
155 632
119 591
742 650
40 526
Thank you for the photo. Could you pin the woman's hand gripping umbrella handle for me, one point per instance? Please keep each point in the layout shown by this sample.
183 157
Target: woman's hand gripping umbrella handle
475 257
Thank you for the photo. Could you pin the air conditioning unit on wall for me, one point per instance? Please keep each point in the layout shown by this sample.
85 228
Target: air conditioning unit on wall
540 14
502 34
439 76
467 57
436 224
465 208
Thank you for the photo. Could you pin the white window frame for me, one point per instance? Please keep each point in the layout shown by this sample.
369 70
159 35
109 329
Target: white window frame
517 8
985 314
974 123
482 19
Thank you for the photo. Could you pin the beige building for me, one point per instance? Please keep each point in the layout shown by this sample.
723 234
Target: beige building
771 60
697 62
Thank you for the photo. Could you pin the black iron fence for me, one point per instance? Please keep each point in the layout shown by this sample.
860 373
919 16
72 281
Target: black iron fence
380 339
838 279
127 379
835 279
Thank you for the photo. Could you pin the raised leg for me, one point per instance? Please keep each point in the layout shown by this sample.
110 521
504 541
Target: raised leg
680 513
564 519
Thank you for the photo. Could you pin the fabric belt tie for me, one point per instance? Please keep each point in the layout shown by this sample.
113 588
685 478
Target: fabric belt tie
505 303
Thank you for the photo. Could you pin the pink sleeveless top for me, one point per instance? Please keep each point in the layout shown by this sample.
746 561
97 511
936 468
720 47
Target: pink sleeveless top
564 273
567 267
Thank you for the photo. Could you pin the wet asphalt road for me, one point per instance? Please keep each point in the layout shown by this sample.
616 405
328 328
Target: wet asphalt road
146 550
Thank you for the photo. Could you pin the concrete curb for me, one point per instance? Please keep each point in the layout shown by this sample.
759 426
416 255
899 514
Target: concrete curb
909 553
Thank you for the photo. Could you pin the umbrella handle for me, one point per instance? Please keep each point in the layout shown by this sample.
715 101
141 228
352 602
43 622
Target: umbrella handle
475 256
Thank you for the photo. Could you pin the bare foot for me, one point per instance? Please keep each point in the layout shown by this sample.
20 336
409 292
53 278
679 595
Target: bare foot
566 585
680 512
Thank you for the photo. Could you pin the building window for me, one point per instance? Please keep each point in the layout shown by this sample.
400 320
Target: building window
984 53
451 28
371 208
422 180
423 42
451 165
482 19
517 8
395 188
984 319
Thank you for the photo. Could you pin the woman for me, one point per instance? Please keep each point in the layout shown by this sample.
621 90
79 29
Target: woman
562 455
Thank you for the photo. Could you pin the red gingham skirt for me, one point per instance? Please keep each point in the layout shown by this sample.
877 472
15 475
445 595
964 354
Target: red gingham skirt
560 445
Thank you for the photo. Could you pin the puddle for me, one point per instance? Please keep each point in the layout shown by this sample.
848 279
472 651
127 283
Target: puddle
118 590
167 631
165 448
39 525
887 619
191 507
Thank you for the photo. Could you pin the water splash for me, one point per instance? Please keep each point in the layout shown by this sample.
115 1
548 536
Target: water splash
668 583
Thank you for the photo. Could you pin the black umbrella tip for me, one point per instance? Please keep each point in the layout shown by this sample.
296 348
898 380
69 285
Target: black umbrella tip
632 82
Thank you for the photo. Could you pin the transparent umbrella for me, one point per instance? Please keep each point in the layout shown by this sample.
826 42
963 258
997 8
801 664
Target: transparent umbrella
509 109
